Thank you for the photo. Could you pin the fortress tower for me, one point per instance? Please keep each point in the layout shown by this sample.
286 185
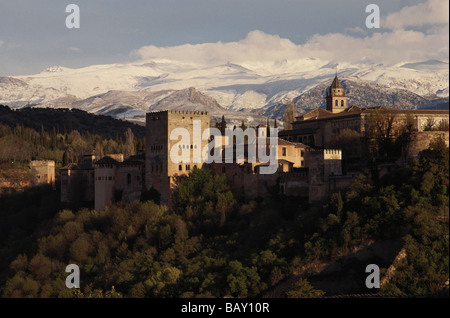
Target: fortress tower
160 170
336 98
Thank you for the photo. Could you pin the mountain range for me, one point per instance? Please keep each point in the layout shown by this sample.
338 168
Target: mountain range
252 92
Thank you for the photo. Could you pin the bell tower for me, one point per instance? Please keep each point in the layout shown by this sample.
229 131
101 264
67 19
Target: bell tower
336 98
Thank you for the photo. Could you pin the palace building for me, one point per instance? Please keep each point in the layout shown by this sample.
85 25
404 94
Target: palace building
306 164
319 127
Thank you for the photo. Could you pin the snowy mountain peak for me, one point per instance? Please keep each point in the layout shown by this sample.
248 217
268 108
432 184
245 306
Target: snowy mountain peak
54 69
129 90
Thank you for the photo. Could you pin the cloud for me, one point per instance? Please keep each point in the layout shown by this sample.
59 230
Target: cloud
257 46
74 49
390 46
427 13
1 43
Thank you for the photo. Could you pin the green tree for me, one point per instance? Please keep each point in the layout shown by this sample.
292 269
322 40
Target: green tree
303 289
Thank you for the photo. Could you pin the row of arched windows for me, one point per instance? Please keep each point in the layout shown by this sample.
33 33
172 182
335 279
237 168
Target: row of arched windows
336 102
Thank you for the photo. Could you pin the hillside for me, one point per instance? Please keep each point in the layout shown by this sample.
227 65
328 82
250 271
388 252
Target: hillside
245 249
68 120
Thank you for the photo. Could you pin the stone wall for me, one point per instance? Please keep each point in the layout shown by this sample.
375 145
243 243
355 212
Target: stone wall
42 172
421 140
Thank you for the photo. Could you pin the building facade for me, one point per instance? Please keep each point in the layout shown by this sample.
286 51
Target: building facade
162 128
319 128
42 172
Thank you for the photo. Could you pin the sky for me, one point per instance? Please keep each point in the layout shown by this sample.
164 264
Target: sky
34 36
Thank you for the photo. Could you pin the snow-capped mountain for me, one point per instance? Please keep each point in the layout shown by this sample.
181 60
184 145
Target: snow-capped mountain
250 92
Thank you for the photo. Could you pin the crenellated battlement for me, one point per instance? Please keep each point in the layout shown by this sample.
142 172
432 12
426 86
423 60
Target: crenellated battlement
326 152
164 113
332 152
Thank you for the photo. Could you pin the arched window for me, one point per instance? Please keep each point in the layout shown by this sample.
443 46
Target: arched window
129 179
336 103
342 103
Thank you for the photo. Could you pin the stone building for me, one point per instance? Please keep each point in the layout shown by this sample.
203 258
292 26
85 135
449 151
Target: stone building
319 127
102 181
117 181
161 169
246 179
322 165
42 172
77 182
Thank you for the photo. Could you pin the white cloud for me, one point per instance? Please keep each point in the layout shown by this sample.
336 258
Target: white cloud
427 13
257 46
391 46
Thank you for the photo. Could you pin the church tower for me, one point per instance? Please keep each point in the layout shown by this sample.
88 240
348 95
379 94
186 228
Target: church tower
336 98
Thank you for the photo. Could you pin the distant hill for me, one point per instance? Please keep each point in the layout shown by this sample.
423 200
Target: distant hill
67 119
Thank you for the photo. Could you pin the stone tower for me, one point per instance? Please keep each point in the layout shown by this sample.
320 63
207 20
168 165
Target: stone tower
160 168
42 172
336 98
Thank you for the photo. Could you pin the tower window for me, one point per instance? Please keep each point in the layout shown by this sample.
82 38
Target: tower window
336 103
180 167
342 103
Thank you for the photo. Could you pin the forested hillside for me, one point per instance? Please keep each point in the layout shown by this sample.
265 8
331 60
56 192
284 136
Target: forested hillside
62 135
211 244
65 120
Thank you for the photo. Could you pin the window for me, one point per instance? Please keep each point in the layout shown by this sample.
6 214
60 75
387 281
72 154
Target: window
284 151
180 168
188 167
302 163
223 169
302 153
336 102
109 178
342 103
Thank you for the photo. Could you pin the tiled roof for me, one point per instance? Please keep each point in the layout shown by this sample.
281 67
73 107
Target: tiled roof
336 83
77 166
300 131
107 160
